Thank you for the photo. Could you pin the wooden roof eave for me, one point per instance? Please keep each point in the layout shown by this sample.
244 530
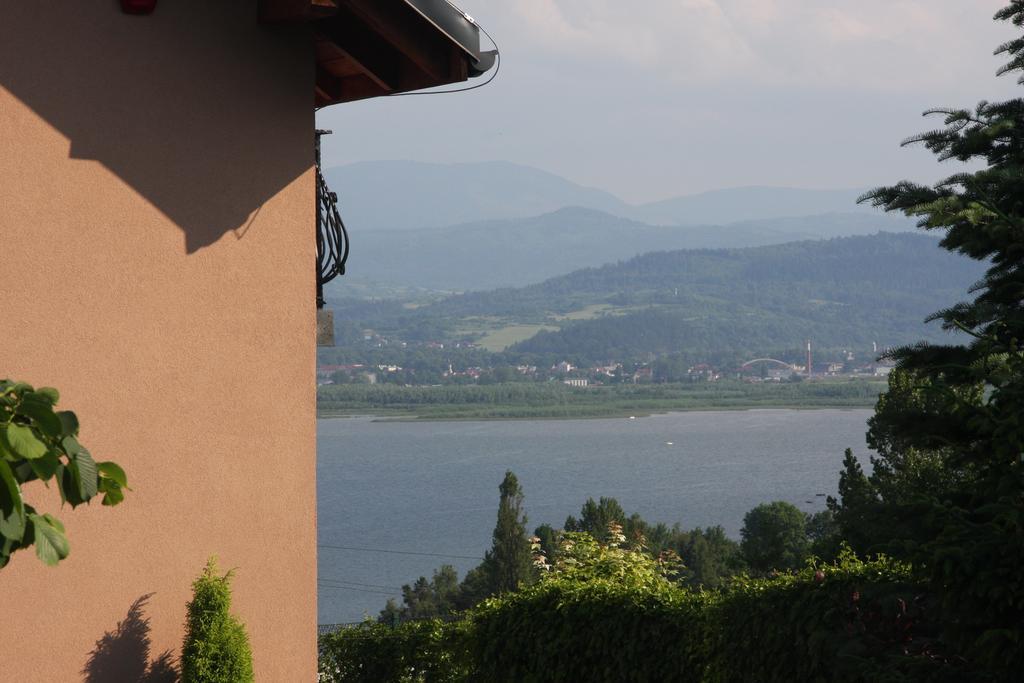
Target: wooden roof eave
370 48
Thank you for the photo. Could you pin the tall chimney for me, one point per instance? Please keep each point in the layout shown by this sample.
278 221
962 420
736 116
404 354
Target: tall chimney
809 366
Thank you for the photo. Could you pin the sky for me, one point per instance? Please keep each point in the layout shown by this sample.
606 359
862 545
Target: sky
659 98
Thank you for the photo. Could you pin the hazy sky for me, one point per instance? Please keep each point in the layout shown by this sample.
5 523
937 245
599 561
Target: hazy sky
654 98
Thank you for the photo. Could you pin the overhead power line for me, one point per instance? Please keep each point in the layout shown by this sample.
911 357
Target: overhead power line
327 579
358 590
396 552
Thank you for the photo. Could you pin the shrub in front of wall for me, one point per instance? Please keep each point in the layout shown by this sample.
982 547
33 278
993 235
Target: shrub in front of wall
431 651
216 647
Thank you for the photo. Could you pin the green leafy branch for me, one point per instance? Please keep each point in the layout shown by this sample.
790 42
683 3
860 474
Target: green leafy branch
38 442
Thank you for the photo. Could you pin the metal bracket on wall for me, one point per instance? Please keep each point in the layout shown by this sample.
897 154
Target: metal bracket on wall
331 247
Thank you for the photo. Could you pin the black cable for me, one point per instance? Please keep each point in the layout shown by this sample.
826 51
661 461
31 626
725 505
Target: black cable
396 552
356 583
358 590
494 74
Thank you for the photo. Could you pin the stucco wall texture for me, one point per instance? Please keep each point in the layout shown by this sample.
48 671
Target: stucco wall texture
157 267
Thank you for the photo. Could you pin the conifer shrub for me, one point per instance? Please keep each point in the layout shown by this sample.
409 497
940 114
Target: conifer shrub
216 647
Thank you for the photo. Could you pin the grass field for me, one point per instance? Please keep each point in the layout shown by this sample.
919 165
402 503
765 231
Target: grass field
587 313
497 334
500 339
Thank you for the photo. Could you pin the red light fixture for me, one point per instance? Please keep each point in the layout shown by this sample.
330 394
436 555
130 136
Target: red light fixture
138 6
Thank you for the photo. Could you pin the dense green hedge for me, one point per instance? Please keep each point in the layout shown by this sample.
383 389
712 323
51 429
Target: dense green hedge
429 650
851 621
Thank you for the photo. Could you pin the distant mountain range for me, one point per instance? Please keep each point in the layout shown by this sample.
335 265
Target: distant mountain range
516 252
404 195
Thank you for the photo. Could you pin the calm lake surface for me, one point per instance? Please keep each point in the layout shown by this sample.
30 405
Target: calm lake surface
432 487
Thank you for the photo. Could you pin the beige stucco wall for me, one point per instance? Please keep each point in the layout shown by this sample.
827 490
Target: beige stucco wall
156 265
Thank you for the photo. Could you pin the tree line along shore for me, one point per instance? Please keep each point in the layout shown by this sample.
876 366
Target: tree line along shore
558 401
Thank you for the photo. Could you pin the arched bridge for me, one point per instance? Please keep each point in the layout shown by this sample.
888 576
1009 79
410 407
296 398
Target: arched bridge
766 360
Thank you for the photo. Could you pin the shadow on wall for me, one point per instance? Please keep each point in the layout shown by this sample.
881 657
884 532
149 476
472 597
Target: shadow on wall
197 106
122 655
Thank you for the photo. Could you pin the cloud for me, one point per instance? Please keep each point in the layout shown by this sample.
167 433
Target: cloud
695 34
872 44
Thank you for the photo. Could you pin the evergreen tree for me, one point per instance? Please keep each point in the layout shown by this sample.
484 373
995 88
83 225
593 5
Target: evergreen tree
508 563
475 587
549 538
595 518
961 422
425 599
391 614
216 647
857 506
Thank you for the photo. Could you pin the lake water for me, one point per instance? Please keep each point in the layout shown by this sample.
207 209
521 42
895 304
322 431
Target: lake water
432 487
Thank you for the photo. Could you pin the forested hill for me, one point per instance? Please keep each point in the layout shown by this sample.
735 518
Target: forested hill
518 252
839 292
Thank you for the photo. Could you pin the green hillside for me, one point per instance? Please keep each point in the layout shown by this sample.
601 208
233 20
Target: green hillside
843 292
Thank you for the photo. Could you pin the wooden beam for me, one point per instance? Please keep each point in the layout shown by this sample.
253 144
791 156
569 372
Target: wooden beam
293 11
377 58
345 89
327 85
459 67
339 62
408 32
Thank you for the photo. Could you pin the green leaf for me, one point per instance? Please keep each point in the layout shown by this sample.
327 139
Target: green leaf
23 441
5 451
113 497
42 414
51 394
68 480
7 548
54 522
70 422
71 445
12 507
51 543
87 474
23 471
46 466
113 471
